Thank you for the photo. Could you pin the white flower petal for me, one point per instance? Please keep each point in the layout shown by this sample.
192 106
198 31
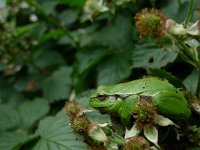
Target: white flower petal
193 29
103 124
82 112
151 133
153 148
175 28
97 133
162 121
132 132
112 146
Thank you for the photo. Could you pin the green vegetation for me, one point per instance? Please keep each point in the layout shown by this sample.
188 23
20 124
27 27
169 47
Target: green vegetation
55 53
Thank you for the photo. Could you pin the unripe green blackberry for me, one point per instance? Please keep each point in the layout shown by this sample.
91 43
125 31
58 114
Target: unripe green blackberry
150 22
80 125
72 108
136 143
145 114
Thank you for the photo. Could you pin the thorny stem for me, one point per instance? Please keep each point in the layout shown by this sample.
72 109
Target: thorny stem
187 53
198 85
189 13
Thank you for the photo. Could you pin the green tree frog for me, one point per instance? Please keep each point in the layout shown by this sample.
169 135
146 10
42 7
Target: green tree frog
120 99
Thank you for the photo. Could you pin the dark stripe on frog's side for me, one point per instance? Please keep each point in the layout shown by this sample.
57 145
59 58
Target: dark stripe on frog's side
146 98
124 96
121 96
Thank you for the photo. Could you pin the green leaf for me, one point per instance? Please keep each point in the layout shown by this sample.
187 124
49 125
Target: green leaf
9 118
87 58
53 34
173 10
49 6
83 99
46 60
27 143
72 16
167 75
193 148
117 34
85 62
31 111
11 96
38 31
77 3
30 82
147 55
58 86
56 134
10 140
35 29
2 4
191 81
114 69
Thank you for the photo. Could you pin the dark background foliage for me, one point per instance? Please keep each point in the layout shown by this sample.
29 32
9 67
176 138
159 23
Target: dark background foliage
47 53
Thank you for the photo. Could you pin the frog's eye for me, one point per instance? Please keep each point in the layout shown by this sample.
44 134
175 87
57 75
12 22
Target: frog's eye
101 97
112 99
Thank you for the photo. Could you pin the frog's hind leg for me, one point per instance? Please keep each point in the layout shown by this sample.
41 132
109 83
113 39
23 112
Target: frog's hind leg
127 108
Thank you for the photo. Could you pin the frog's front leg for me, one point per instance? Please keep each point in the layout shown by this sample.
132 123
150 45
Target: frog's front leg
125 111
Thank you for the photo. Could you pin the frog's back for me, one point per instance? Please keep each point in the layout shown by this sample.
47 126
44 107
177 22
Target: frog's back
148 86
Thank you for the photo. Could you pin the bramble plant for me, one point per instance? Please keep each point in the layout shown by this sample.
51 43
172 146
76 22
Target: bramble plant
99 74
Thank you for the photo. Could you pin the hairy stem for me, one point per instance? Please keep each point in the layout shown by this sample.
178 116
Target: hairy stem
189 13
198 85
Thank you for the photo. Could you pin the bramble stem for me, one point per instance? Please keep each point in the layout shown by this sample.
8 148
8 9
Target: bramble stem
189 13
198 85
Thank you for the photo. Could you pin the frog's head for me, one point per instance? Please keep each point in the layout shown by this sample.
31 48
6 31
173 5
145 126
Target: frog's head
106 103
